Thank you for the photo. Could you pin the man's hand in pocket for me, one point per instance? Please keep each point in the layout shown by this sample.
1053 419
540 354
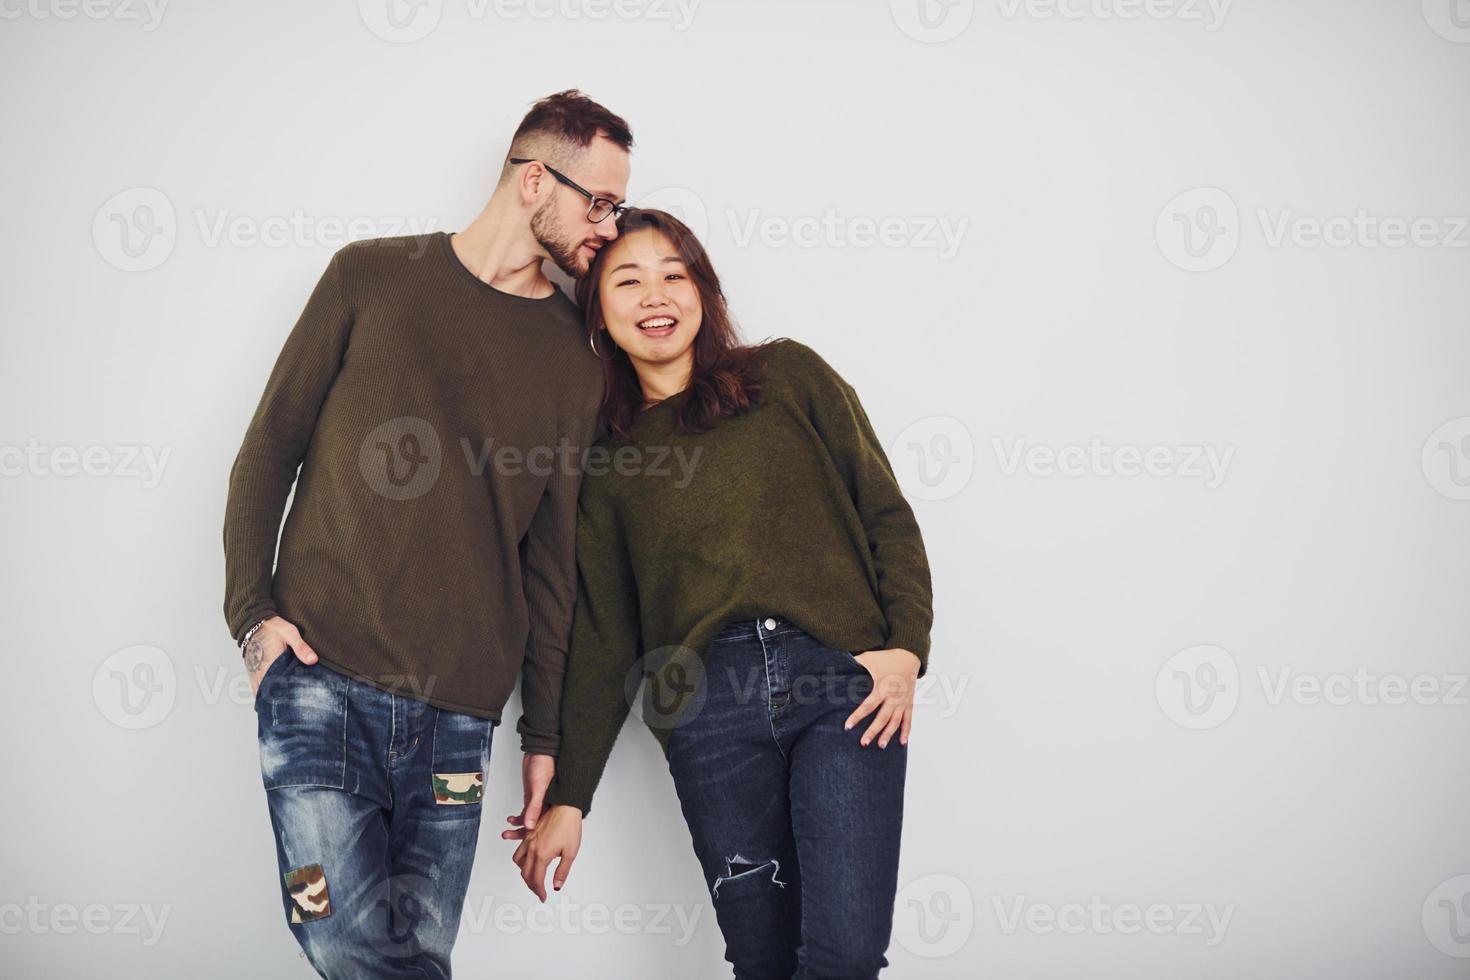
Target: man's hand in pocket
274 638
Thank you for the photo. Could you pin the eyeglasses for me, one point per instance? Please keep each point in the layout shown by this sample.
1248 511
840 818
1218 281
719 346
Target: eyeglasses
598 209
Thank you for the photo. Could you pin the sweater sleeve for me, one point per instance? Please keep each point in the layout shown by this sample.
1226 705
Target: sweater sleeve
904 589
604 649
274 446
549 564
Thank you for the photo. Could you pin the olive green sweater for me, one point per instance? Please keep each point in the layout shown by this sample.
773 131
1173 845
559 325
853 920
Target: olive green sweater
790 509
438 425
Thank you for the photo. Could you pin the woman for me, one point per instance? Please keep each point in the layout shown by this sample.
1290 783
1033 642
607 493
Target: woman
743 544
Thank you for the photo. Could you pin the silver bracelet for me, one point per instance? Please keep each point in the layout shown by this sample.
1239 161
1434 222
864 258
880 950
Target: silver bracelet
251 632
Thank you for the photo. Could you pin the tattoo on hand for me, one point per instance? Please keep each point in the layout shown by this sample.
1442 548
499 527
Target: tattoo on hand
254 654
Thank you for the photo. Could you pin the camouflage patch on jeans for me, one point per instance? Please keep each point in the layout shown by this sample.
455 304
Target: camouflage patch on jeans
308 889
459 787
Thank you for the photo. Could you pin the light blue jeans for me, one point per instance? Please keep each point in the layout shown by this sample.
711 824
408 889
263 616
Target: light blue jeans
375 801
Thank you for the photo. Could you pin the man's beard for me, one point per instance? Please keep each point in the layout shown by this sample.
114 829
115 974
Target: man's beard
548 235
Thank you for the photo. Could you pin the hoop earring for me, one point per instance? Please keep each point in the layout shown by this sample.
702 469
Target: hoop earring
592 342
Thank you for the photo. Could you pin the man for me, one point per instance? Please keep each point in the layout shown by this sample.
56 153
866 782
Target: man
436 394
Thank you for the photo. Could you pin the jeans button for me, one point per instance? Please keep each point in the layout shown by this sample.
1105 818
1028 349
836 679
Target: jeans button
770 624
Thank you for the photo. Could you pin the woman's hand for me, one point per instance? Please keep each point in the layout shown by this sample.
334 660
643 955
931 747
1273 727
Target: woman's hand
557 835
894 674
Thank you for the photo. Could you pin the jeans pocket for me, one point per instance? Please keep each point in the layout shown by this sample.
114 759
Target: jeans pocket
302 723
460 759
273 670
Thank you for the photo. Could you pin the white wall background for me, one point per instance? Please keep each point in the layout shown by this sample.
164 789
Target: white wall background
1125 766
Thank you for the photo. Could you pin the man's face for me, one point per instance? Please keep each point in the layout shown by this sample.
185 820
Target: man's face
560 224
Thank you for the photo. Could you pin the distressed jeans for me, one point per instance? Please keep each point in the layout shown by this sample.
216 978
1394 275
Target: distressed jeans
795 824
375 802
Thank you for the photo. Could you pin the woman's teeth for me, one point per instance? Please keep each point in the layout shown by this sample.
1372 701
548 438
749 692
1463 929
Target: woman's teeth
657 323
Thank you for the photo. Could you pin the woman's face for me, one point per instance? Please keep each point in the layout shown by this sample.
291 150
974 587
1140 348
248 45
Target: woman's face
650 305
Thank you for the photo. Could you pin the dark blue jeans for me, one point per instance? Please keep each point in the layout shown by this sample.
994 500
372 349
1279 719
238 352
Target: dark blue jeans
375 801
795 824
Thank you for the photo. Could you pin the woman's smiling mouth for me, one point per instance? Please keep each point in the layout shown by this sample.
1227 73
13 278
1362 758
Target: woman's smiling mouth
658 326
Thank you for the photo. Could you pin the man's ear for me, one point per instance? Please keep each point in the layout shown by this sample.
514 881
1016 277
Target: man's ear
533 176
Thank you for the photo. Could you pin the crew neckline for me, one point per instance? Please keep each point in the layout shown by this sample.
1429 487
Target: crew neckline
474 280
660 404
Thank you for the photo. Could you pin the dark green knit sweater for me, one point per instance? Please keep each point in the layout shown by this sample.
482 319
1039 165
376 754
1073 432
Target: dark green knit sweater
438 425
790 509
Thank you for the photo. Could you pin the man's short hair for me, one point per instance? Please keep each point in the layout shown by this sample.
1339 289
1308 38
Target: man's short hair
560 126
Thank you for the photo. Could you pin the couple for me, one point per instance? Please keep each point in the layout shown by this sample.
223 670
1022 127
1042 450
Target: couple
441 398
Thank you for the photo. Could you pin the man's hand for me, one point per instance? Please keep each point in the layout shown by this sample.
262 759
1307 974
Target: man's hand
894 674
558 836
536 773
274 638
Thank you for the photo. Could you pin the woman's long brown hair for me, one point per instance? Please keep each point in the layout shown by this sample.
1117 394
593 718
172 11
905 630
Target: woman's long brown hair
726 376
